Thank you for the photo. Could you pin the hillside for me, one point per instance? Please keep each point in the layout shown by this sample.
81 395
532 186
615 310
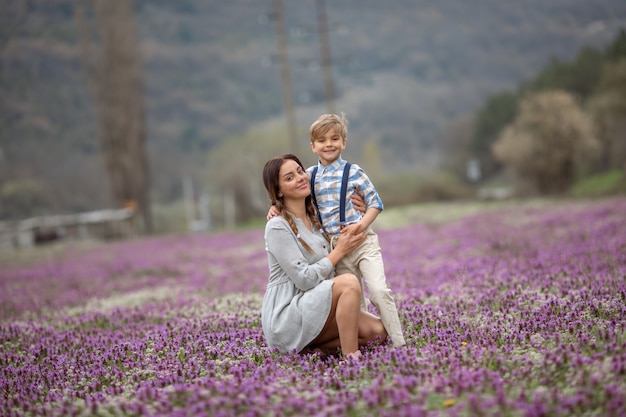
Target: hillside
403 72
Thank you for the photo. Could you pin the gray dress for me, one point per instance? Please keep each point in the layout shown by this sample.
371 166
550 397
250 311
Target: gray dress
298 297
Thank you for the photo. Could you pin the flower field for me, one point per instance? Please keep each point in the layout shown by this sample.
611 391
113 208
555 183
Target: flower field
519 311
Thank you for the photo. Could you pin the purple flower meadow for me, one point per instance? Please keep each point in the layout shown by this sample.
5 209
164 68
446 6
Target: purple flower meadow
510 312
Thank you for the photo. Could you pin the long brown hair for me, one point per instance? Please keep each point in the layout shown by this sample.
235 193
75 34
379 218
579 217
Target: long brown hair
271 174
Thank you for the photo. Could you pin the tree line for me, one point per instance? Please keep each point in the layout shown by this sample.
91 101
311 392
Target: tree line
565 123
577 104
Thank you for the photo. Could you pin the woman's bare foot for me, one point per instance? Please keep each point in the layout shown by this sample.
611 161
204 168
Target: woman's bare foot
354 356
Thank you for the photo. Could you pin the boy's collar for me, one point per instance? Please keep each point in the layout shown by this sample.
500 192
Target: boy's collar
334 165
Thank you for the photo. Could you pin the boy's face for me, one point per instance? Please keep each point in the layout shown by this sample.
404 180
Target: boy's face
329 146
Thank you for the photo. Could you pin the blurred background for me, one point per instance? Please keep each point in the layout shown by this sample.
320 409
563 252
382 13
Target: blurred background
156 116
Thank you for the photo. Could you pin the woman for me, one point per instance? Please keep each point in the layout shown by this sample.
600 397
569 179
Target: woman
306 307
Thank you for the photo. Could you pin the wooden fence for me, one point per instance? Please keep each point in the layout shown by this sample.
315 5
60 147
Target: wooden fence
100 224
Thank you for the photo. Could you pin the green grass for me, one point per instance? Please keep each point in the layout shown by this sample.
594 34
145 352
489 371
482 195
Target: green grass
608 183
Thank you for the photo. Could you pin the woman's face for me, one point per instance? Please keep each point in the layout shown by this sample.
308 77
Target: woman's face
293 182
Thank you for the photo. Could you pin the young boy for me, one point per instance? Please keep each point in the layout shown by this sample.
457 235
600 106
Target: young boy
328 135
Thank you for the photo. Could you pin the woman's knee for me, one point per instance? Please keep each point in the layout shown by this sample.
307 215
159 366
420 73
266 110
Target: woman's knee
347 282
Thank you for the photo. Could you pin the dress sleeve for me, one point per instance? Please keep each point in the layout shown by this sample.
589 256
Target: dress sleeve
284 247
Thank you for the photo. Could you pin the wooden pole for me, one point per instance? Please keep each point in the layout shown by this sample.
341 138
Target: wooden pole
285 76
327 68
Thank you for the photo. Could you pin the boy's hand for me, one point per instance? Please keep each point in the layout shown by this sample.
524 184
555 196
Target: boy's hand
354 229
272 212
357 200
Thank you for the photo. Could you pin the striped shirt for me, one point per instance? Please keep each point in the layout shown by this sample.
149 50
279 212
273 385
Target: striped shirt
328 190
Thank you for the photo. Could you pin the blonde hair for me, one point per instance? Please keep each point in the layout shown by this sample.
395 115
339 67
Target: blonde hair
326 122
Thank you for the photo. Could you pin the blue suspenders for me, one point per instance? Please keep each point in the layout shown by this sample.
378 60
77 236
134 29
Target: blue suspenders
342 195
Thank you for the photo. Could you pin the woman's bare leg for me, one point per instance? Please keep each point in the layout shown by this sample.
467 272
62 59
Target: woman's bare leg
347 317
370 328
342 326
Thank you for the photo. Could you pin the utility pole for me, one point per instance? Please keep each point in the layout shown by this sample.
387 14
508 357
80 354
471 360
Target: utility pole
322 28
285 75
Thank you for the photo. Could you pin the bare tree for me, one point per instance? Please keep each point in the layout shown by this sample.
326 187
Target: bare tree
608 109
110 50
548 141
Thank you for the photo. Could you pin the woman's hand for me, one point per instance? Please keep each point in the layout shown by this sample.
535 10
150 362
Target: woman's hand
347 242
357 200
